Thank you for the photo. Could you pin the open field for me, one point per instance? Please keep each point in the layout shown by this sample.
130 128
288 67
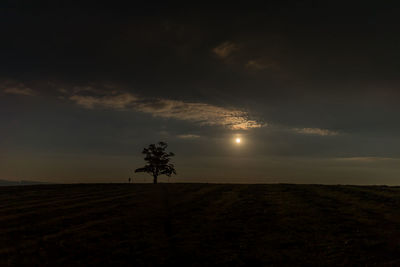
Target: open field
199 224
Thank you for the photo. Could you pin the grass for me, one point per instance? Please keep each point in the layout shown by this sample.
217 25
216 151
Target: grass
199 224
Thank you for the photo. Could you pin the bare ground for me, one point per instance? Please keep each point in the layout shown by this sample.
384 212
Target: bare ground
199 224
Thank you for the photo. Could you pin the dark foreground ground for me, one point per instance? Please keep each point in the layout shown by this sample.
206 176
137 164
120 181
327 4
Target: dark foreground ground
199 224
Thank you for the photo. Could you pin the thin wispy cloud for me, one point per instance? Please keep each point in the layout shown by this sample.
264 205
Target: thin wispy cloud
367 159
225 49
201 113
188 136
260 65
315 131
17 89
120 101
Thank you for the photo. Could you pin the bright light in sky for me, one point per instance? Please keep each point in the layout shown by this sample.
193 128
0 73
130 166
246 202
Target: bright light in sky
238 140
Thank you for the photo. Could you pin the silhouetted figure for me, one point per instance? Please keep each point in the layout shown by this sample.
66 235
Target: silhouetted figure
157 161
129 180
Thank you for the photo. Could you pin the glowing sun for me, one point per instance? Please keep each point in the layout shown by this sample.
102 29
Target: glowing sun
238 140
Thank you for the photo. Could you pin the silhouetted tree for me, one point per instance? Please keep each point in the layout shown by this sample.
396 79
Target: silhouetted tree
158 161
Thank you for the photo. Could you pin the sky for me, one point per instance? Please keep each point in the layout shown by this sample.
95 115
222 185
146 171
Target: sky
311 89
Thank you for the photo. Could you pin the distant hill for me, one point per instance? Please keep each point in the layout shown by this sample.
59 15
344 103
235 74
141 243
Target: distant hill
22 182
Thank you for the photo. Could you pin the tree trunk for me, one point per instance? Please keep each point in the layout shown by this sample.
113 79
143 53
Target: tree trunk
155 179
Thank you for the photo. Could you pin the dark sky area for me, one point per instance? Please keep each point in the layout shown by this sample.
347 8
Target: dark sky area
311 88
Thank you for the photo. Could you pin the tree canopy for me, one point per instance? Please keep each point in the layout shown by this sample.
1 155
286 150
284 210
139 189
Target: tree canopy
157 161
